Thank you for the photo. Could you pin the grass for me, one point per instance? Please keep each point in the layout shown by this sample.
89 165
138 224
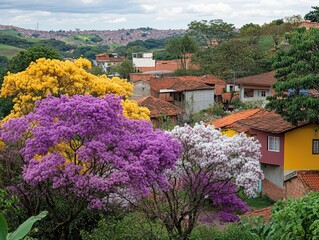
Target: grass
80 38
257 202
9 51
266 42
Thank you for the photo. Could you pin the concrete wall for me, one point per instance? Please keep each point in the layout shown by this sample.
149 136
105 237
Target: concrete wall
143 62
141 89
275 174
198 100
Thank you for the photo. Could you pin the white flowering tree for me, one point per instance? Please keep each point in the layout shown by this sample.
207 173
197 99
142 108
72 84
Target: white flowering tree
212 166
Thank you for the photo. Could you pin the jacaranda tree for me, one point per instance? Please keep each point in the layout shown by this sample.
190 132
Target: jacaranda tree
55 77
211 165
79 150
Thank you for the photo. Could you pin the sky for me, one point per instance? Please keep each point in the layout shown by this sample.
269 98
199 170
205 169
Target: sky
159 14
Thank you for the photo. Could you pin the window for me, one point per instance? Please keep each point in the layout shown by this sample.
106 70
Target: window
273 144
315 146
261 93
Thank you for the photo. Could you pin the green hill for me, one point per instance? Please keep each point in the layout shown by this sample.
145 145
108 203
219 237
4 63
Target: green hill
9 51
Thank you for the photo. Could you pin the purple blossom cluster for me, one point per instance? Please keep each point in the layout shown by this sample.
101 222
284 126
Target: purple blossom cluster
84 146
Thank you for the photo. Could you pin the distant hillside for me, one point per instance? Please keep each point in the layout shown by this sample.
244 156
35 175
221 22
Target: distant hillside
103 37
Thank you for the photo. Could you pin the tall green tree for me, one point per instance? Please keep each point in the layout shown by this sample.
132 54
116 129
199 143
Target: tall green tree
297 72
124 69
313 16
180 48
22 60
234 56
206 32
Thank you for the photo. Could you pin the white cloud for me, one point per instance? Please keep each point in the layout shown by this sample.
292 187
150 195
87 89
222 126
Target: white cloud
148 8
219 8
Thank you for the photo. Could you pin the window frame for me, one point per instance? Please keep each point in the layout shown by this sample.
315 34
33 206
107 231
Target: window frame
269 138
313 149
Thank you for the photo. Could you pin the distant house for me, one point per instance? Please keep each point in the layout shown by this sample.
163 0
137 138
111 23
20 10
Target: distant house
285 148
161 111
190 96
256 87
107 60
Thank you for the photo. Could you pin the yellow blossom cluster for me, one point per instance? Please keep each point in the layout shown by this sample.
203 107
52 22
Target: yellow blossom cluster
55 77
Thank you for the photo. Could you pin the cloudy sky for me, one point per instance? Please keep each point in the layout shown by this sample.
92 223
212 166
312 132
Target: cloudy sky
159 14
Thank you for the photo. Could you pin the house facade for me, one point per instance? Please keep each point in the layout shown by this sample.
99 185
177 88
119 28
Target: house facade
107 60
285 148
141 89
256 87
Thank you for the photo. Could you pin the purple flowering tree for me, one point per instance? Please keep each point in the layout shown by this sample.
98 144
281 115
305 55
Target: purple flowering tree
211 165
81 150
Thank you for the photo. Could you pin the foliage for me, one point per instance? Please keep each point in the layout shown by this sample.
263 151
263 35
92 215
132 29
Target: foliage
23 59
22 230
14 41
83 149
209 162
297 74
295 219
206 32
234 56
130 226
180 48
313 15
124 69
54 77
231 232
88 52
252 31
240 105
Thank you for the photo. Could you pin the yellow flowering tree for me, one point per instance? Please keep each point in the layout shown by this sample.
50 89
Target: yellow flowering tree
55 77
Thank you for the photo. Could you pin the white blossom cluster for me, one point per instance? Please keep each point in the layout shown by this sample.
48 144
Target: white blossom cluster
220 157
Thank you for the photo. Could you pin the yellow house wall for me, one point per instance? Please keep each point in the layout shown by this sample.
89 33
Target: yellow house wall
229 132
298 149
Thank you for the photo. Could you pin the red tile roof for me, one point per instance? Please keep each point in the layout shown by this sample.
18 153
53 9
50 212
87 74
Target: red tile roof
268 121
233 118
264 79
310 179
177 84
159 107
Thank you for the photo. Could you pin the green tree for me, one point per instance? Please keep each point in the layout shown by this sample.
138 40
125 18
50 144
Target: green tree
124 69
234 56
297 72
180 48
206 32
251 31
313 16
22 60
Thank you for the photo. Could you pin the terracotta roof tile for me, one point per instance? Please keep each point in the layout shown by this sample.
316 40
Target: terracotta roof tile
181 86
310 179
177 84
159 107
264 79
233 118
268 121
264 212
